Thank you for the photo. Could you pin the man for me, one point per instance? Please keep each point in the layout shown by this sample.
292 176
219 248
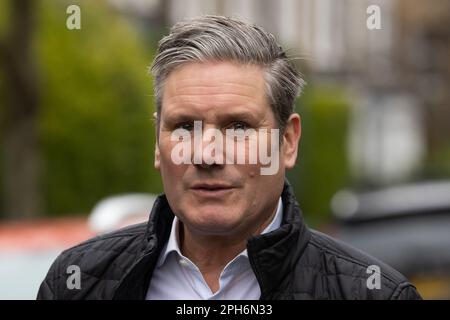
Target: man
228 225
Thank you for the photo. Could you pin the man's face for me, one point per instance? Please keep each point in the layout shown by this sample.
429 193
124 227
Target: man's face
220 199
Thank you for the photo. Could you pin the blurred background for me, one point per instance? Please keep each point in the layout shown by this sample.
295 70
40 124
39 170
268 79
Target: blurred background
77 137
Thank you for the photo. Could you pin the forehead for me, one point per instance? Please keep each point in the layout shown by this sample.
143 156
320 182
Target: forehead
208 85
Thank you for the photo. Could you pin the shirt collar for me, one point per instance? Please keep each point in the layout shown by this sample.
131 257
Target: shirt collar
172 244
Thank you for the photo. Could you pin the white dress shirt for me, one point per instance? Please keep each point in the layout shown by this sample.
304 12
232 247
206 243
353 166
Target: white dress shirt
176 277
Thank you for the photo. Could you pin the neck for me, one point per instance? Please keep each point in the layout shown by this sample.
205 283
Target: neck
211 253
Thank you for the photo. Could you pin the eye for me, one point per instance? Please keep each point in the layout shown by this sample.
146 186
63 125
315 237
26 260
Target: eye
189 126
239 125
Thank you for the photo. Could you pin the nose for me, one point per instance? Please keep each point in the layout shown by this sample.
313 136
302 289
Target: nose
208 149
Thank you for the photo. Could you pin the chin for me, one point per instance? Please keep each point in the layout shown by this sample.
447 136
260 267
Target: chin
213 220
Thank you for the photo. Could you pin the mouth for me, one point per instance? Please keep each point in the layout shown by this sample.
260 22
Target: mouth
212 189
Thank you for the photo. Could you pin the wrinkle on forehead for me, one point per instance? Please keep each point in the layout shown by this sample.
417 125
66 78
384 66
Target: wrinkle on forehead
221 81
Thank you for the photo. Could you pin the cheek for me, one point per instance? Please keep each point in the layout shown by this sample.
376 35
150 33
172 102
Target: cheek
171 172
165 150
262 186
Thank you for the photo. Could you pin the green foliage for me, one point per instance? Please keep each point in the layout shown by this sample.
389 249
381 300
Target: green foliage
96 128
4 18
322 166
4 11
437 165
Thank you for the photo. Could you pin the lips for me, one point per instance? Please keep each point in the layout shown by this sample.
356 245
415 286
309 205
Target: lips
212 186
213 189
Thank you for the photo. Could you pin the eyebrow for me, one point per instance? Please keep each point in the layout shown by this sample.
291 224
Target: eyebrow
182 116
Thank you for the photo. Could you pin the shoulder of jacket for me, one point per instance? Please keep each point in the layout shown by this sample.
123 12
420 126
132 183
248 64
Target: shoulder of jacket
346 260
100 262
109 240
123 245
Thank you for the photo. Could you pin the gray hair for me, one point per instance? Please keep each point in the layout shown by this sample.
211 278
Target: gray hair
217 38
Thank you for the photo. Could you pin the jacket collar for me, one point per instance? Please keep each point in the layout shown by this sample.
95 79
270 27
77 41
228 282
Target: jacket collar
272 255
172 245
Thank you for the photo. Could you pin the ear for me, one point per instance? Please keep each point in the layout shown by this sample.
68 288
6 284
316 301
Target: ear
157 157
157 162
291 138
